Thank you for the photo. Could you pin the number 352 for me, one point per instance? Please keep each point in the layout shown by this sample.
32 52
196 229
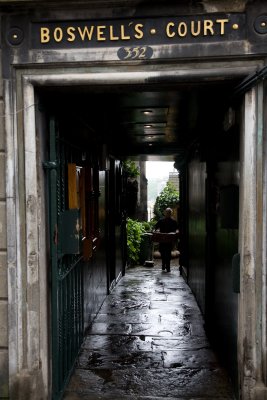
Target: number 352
135 53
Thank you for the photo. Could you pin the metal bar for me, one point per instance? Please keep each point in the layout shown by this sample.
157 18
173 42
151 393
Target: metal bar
61 334
53 255
68 321
81 302
67 300
76 309
62 277
65 314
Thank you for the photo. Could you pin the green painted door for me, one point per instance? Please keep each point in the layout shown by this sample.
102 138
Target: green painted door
66 262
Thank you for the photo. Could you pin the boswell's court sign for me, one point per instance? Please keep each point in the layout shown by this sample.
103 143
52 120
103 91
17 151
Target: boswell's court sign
138 38
134 37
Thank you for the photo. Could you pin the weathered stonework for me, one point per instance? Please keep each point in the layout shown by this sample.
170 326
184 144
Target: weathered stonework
3 323
4 373
29 360
2 176
3 275
224 6
4 361
3 226
2 134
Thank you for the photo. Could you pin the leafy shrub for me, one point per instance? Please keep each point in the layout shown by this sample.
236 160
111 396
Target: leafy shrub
149 225
135 229
130 169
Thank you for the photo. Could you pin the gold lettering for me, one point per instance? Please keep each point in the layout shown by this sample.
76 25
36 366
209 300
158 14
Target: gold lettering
195 32
222 22
58 34
139 34
208 26
86 32
182 29
112 37
168 31
100 32
123 36
45 35
70 32
172 29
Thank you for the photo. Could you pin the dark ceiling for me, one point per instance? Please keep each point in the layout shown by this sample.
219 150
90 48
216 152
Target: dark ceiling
144 122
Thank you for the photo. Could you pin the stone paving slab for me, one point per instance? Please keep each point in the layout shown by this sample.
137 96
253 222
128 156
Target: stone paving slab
181 343
148 342
188 383
125 306
104 359
166 306
197 358
84 396
151 316
175 330
148 316
128 343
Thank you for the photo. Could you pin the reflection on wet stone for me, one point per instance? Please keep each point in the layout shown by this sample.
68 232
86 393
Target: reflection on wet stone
148 342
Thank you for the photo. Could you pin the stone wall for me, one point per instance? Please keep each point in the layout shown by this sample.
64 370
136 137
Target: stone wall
3 259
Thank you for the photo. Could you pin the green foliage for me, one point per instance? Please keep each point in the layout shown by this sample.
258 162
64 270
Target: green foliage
130 168
135 229
149 225
168 197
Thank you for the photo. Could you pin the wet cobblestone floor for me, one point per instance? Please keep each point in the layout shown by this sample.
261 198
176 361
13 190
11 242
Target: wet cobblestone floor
148 342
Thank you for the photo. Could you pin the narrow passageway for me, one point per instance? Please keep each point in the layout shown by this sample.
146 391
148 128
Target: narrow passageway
148 342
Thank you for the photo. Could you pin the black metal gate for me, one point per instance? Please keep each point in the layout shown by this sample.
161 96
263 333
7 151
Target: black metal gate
66 264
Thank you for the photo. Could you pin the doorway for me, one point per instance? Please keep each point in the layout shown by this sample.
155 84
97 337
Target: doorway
184 125
190 158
